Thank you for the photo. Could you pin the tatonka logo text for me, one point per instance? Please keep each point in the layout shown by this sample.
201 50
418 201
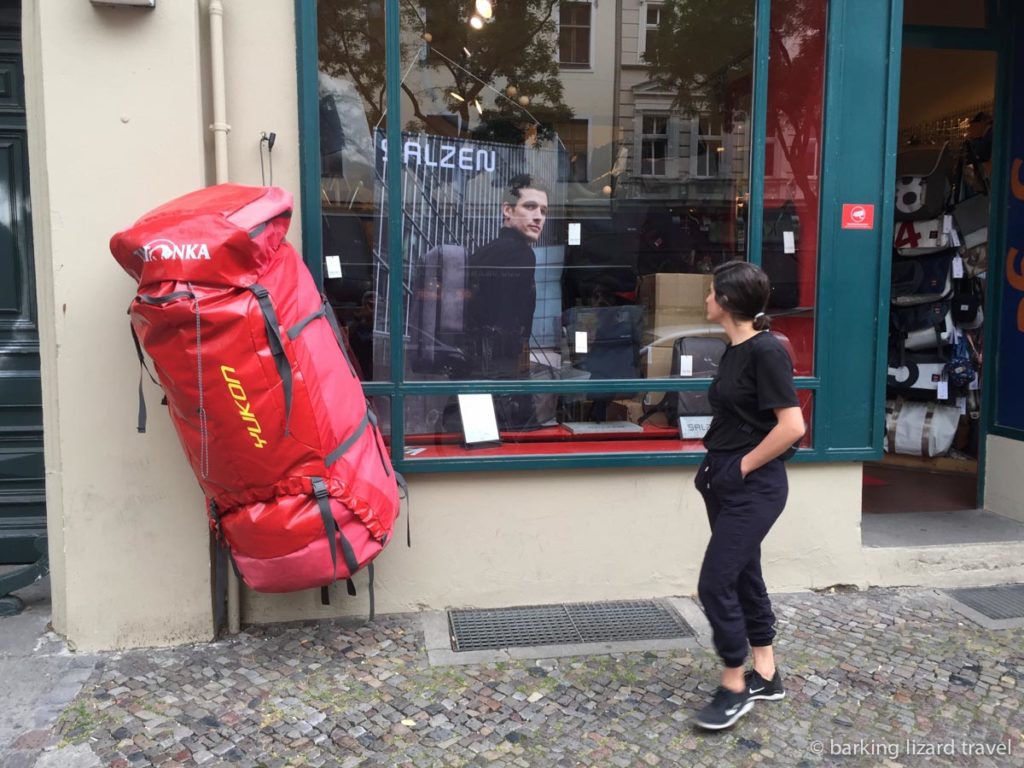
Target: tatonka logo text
167 250
244 406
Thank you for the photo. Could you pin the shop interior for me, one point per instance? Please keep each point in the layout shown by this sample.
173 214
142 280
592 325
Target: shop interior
938 302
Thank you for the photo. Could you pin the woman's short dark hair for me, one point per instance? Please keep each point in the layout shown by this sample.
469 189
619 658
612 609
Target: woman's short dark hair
742 289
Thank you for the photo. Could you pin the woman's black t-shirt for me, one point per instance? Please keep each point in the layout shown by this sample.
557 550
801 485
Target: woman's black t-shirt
754 377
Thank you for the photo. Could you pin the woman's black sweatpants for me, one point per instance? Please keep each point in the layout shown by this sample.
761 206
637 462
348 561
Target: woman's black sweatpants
731 588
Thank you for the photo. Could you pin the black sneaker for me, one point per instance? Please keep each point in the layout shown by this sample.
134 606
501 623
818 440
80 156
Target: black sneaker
725 709
767 690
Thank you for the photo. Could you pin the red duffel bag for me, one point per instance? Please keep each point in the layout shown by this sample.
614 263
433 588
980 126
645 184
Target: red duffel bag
260 388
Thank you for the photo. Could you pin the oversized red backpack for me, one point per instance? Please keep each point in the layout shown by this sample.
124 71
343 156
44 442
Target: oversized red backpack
260 389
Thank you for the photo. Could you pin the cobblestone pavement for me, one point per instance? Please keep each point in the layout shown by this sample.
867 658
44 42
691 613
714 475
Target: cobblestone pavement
882 677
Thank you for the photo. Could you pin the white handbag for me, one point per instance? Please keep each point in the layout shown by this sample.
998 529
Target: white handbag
919 428
912 238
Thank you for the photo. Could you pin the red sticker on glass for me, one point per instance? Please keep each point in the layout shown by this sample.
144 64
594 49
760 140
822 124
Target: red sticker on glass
858 216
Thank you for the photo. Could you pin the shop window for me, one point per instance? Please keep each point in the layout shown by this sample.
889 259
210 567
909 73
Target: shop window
436 430
570 290
789 241
351 96
574 19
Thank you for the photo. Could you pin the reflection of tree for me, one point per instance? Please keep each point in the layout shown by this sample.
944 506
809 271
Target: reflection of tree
797 63
351 47
703 51
517 47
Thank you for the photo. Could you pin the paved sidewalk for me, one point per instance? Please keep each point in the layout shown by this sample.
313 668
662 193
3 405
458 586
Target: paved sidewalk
883 677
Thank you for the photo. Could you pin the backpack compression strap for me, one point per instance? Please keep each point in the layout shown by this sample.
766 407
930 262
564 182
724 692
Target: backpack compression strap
331 529
284 368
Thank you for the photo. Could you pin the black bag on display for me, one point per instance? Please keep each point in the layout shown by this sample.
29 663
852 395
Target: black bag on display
922 279
921 326
916 376
922 182
967 303
613 342
781 267
705 353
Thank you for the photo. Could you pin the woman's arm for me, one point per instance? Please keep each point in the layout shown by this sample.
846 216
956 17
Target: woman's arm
789 429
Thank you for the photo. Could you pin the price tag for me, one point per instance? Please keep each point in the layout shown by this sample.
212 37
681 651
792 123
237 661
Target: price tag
693 427
686 365
574 233
961 403
954 238
788 242
958 267
975 384
581 342
947 224
943 389
333 266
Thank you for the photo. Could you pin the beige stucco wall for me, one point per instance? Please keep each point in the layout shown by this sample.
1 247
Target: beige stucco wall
1004 468
115 127
118 123
496 539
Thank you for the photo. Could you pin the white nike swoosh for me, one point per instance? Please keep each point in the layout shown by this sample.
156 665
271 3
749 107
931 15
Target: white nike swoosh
756 690
732 711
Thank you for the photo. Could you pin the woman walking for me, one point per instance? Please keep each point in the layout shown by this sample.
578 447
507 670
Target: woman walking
755 425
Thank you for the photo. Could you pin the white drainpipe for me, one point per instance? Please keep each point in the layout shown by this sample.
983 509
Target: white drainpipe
220 130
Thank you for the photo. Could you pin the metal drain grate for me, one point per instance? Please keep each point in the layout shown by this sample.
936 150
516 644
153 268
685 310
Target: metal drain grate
618 621
1002 602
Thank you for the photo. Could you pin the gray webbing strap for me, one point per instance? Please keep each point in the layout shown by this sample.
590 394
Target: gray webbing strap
892 417
403 488
330 527
167 299
284 369
142 367
337 335
338 452
299 327
332 530
369 573
376 440
926 429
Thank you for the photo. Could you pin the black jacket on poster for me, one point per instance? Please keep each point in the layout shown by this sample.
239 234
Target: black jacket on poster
503 293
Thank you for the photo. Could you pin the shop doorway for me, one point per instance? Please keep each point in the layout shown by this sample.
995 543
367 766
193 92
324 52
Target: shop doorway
934 430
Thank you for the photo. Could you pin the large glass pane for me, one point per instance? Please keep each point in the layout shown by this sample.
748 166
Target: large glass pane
351 94
434 428
789 249
560 223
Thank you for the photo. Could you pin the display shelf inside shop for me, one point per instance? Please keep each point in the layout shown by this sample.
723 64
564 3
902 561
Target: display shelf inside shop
929 463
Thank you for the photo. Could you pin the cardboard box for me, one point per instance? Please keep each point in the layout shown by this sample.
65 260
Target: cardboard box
674 299
656 362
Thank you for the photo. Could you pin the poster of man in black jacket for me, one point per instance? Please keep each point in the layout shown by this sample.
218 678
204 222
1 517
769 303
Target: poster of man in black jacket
503 291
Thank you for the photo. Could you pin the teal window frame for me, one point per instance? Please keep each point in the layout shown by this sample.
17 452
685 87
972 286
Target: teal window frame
852 281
